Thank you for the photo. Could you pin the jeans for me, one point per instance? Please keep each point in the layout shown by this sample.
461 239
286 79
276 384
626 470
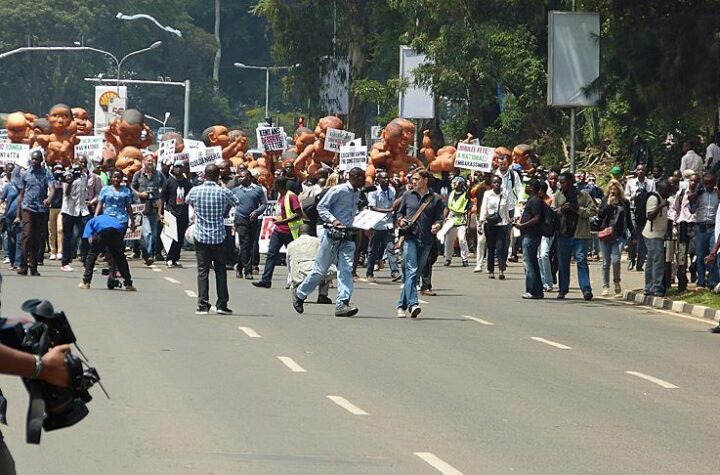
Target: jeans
173 254
655 266
567 247
415 257
611 250
704 242
496 244
205 254
14 241
110 240
580 248
546 273
277 241
637 251
150 230
381 240
461 233
329 252
533 282
248 233
426 269
72 230
229 244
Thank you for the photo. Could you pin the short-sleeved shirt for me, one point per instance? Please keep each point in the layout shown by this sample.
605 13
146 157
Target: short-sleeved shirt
533 207
383 199
35 183
173 195
294 206
211 203
115 202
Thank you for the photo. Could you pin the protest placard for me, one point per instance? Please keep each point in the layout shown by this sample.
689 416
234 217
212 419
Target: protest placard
15 153
180 157
334 139
91 146
170 230
166 151
271 139
206 157
131 235
474 157
352 156
3 135
367 218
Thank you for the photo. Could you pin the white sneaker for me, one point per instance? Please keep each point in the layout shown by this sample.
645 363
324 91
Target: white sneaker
478 268
52 257
66 268
605 291
401 313
415 311
6 260
168 264
716 289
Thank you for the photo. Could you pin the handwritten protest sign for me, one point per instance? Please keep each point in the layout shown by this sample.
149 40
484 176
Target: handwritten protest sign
206 157
91 146
16 153
271 139
166 151
474 157
334 139
131 235
3 135
353 155
180 157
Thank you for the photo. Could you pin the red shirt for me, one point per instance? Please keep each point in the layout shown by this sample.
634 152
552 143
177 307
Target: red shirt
294 205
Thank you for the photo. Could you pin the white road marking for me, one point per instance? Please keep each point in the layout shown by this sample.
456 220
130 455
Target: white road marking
423 302
347 405
551 343
290 363
191 294
171 280
479 320
438 464
249 332
653 379
155 269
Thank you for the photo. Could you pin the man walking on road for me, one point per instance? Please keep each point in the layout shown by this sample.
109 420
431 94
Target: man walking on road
337 209
251 206
176 188
147 184
211 203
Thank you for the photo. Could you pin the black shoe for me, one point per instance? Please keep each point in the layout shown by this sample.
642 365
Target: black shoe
588 296
249 277
396 276
714 329
324 299
631 265
223 311
447 263
639 269
22 271
202 311
298 303
238 274
560 296
34 272
262 285
345 310
464 263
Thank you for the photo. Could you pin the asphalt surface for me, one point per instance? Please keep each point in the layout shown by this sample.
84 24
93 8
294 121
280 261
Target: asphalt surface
531 387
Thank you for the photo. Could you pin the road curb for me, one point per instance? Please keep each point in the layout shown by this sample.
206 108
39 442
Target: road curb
699 311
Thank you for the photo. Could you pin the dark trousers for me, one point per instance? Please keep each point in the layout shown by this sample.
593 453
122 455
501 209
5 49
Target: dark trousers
248 233
214 254
496 237
229 244
33 240
175 248
110 240
426 270
381 240
277 241
72 231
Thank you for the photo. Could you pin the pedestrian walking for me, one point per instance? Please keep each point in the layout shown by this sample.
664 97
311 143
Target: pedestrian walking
383 235
172 199
530 225
494 217
654 234
147 184
704 205
615 227
249 211
458 207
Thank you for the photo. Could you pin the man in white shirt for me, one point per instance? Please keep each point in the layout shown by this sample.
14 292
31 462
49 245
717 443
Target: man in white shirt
712 153
513 186
74 211
691 160
634 188
654 234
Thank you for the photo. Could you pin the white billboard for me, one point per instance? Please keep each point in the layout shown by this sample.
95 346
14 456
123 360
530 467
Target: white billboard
573 58
335 87
109 103
415 102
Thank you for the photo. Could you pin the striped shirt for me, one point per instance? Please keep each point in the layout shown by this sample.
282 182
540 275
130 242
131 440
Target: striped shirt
211 203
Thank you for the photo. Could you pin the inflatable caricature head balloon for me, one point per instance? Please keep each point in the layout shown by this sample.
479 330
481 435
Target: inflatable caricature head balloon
18 128
82 123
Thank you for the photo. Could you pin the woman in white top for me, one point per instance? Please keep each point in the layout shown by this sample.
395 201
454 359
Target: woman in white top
495 218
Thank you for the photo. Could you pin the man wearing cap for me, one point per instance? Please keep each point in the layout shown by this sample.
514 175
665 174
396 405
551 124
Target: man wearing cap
172 199
456 215
512 184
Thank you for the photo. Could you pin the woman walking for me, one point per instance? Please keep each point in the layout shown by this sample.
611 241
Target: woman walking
495 218
615 225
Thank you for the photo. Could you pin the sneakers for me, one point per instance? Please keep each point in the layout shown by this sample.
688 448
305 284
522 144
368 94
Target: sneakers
6 260
465 263
396 276
130 288
223 311
66 268
371 279
415 311
478 268
168 264
84 285
53 257
202 311
344 310
618 289
716 289
149 261
324 300
401 313
297 303
447 263
262 285
605 291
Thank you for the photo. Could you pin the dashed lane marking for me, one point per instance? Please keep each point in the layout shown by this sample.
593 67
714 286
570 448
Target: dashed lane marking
249 332
191 294
479 320
423 302
653 379
171 280
155 269
347 405
551 343
290 363
437 463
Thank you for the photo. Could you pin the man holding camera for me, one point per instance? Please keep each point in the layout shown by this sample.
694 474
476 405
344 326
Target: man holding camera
337 209
73 211
147 184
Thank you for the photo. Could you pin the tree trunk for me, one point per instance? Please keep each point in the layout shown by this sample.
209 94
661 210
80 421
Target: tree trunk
358 12
218 52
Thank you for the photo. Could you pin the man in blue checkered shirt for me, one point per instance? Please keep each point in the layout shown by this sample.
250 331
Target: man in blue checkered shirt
211 203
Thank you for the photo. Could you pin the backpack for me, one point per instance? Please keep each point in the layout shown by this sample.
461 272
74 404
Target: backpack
641 207
550 223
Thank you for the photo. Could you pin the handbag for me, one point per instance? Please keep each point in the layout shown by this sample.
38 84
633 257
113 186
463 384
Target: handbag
493 219
606 234
410 228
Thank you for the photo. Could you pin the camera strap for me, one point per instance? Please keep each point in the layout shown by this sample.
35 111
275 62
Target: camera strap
36 412
424 203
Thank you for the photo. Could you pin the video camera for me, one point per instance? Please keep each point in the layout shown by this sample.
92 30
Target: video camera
51 407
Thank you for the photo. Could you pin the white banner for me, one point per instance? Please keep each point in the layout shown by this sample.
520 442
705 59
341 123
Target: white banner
334 139
271 139
208 156
107 105
16 153
352 156
474 157
91 146
166 151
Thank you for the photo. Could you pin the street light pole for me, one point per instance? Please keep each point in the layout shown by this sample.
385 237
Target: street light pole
267 79
267 92
119 63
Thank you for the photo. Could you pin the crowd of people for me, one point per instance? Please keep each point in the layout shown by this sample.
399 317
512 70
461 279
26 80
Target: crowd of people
554 219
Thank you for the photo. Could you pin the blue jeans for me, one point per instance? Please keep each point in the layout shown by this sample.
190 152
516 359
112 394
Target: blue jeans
329 252
580 247
150 230
381 240
545 265
568 247
277 241
655 266
533 282
415 256
611 250
704 242
14 242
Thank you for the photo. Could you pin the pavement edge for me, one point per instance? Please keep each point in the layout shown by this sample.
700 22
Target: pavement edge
679 306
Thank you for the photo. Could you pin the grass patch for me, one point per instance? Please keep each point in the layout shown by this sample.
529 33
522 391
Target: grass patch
701 297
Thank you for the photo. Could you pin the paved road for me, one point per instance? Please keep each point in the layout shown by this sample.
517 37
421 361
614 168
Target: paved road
481 383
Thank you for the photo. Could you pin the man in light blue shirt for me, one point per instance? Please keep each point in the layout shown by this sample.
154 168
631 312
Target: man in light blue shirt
337 209
383 237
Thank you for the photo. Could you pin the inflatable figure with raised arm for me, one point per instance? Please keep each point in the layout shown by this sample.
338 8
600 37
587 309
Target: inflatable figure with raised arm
241 146
129 129
444 159
19 128
59 144
129 160
391 152
312 158
302 139
218 136
83 125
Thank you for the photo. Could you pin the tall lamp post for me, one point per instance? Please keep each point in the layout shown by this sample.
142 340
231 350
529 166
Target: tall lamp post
267 79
